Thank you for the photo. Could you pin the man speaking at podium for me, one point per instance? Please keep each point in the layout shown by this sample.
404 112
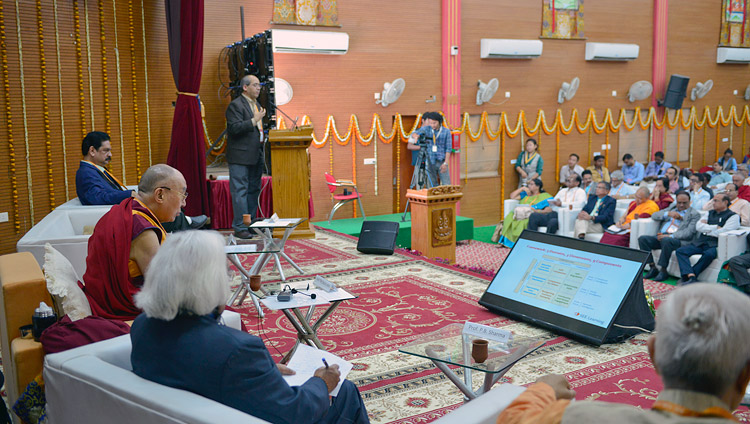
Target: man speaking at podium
245 152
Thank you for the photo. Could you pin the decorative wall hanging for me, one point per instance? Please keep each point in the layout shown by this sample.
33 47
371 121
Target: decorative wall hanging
562 19
735 28
305 12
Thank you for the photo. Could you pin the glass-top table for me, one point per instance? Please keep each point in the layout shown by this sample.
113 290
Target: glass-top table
448 346
265 229
236 246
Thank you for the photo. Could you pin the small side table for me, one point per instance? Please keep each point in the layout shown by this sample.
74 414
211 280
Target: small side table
265 230
448 346
235 247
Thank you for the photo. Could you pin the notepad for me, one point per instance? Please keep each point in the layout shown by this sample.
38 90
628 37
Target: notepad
307 359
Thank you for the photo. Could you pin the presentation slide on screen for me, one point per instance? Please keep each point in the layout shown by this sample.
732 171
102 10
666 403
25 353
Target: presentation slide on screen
580 285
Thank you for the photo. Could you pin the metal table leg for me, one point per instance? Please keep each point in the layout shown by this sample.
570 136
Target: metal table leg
467 391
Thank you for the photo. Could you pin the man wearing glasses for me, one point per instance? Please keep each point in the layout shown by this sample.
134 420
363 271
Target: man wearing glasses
126 239
95 185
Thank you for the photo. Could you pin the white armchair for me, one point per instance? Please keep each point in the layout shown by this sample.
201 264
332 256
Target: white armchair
730 245
563 217
596 237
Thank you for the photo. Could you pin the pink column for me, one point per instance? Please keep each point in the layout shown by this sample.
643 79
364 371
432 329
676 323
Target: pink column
659 67
451 73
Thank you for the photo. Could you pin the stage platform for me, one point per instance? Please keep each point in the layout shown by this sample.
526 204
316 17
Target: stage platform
352 227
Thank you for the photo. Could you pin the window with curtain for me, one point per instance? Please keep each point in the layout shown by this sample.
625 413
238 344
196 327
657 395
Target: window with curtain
480 158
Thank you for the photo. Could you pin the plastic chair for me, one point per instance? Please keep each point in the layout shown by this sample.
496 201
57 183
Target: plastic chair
343 198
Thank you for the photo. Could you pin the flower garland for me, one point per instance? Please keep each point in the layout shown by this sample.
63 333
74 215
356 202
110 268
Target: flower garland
88 61
9 121
145 79
119 91
133 77
45 104
62 112
29 183
354 176
79 66
105 75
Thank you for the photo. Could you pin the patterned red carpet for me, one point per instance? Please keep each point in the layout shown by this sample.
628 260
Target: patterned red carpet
403 296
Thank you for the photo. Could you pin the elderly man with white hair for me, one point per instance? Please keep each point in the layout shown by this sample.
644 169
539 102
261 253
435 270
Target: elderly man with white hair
619 189
178 342
700 351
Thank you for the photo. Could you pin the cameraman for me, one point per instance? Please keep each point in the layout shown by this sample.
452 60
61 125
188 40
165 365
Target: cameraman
438 146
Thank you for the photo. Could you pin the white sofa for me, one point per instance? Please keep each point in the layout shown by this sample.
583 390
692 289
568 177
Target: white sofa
485 408
730 245
63 228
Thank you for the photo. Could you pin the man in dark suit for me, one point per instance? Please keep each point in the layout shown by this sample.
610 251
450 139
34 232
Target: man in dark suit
245 152
598 214
676 229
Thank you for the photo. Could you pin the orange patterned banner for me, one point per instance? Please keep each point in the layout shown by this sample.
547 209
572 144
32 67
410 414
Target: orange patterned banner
305 12
562 19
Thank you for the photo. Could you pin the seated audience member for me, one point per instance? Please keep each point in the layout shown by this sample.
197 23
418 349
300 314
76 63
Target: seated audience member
571 168
641 207
698 195
699 350
660 195
676 229
532 198
179 342
587 182
745 171
706 179
720 220
718 177
657 168
598 213
685 174
737 205
619 189
125 240
572 197
727 162
599 172
529 164
738 265
743 190
95 185
674 181
632 170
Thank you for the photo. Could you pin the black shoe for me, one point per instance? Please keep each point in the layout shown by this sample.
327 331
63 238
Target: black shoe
243 234
200 221
690 280
661 276
652 273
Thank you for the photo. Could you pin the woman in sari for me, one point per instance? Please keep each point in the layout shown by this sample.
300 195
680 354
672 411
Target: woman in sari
532 198
641 207
529 164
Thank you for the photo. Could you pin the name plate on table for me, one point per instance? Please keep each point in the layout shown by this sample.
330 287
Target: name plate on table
324 284
486 332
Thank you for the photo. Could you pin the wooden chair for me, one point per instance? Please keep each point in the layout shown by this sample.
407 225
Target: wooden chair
343 198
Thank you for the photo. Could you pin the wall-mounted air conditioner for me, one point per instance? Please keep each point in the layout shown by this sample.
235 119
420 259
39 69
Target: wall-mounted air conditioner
496 48
315 42
732 55
611 51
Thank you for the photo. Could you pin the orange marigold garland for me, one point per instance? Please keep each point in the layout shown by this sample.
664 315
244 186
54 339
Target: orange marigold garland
105 75
133 76
62 112
9 121
45 104
79 66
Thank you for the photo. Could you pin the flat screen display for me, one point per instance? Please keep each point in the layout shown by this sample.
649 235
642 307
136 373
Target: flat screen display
571 286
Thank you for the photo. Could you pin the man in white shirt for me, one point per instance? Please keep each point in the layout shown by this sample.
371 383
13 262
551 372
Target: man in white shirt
619 189
742 168
739 206
570 197
698 196
720 220
571 168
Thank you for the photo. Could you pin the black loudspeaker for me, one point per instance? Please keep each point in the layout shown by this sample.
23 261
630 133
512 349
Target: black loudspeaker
676 91
378 237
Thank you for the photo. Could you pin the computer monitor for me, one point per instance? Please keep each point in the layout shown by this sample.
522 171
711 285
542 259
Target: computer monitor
573 287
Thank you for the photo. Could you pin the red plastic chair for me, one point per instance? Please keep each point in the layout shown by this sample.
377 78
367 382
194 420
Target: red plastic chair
342 199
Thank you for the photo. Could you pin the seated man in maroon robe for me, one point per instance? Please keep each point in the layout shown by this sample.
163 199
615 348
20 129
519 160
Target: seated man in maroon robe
126 238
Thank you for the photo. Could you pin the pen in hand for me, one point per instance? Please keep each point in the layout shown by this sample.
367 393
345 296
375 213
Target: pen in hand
325 362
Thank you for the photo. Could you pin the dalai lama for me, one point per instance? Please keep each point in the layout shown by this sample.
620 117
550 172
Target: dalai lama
126 239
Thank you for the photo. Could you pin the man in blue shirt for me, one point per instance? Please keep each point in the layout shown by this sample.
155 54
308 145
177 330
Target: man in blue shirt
95 185
438 147
718 176
657 168
632 169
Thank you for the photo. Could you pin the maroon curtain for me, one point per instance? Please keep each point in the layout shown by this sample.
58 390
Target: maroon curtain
187 149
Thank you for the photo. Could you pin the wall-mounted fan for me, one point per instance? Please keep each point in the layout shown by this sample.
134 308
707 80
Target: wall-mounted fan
640 90
485 91
568 90
747 93
284 92
391 92
701 89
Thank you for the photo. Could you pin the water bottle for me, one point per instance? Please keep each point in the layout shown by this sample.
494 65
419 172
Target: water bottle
43 317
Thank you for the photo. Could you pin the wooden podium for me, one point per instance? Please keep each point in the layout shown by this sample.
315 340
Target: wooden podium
290 175
433 221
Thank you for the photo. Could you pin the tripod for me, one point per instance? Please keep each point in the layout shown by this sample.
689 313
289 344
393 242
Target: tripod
421 167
